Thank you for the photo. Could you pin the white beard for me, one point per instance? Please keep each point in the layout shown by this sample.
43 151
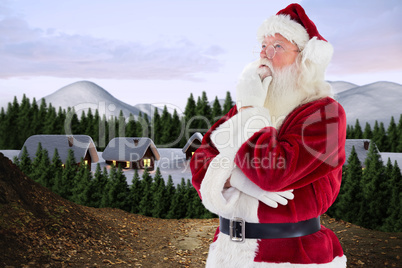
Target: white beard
284 94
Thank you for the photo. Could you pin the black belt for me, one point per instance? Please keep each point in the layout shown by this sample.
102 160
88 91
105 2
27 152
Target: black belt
238 229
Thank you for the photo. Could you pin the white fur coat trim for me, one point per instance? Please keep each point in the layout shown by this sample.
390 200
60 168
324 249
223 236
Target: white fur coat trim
212 186
232 134
224 253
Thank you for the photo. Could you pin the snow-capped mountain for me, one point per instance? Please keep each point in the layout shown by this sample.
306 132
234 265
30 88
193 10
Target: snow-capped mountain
83 95
377 101
148 109
340 86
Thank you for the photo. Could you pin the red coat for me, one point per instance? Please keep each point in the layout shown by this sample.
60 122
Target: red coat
306 154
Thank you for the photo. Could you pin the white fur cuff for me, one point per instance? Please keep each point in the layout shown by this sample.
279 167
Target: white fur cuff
214 197
230 136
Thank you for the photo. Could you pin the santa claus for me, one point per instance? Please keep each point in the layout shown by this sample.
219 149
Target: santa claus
273 164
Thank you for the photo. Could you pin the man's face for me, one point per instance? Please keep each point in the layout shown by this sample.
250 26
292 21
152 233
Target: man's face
285 53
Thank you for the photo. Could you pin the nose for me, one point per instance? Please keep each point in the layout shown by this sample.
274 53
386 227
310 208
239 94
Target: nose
263 53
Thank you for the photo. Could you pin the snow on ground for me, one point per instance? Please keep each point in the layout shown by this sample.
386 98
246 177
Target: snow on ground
172 162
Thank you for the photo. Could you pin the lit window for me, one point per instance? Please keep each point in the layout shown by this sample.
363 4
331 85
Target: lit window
127 164
192 153
147 162
86 162
114 162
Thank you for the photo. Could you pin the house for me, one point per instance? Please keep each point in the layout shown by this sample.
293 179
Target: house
361 147
192 145
136 153
82 146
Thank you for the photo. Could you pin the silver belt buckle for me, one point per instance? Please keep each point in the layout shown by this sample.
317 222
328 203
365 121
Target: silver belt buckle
232 230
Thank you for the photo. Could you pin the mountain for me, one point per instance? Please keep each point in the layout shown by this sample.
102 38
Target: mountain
377 101
148 109
83 95
340 86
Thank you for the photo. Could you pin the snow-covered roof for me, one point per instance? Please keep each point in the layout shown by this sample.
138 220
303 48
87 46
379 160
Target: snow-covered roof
359 147
129 149
195 136
80 144
393 156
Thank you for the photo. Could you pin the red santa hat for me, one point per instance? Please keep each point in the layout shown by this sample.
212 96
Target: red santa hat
293 24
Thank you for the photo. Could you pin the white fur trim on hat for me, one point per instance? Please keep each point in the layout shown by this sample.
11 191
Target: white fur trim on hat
318 51
285 26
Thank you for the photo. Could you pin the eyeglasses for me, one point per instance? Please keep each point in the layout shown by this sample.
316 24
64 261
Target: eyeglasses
271 50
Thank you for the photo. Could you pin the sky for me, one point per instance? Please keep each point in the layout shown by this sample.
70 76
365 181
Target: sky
160 51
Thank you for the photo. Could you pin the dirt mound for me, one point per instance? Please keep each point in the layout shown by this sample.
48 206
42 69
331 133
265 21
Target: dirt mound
37 226
41 229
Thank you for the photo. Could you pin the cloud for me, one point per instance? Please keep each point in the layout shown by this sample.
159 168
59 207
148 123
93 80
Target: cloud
366 36
25 51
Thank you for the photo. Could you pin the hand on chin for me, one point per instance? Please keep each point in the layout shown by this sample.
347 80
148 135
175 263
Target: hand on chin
264 71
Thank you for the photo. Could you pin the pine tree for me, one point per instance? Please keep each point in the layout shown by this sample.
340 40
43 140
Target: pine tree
103 131
65 185
89 128
374 207
98 185
61 118
40 117
56 168
136 191
158 198
145 207
399 147
72 124
3 129
156 127
95 128
216 110
25 163
350 198
44 175
36 169
106 201
49 126
190 109
177 210
147 126
167 128
177 129
392 135
131 127
10 139
204 111
118 191
228 104
349 132
358 134
169 195
82 191
121 125
141 128
83 123
394 221
24 121
367 134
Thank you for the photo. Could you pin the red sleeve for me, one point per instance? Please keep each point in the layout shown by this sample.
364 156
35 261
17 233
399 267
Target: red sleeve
206 152
309 145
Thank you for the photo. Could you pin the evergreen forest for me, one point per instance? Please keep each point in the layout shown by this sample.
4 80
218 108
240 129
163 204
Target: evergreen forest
22 120
370 197
149 196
